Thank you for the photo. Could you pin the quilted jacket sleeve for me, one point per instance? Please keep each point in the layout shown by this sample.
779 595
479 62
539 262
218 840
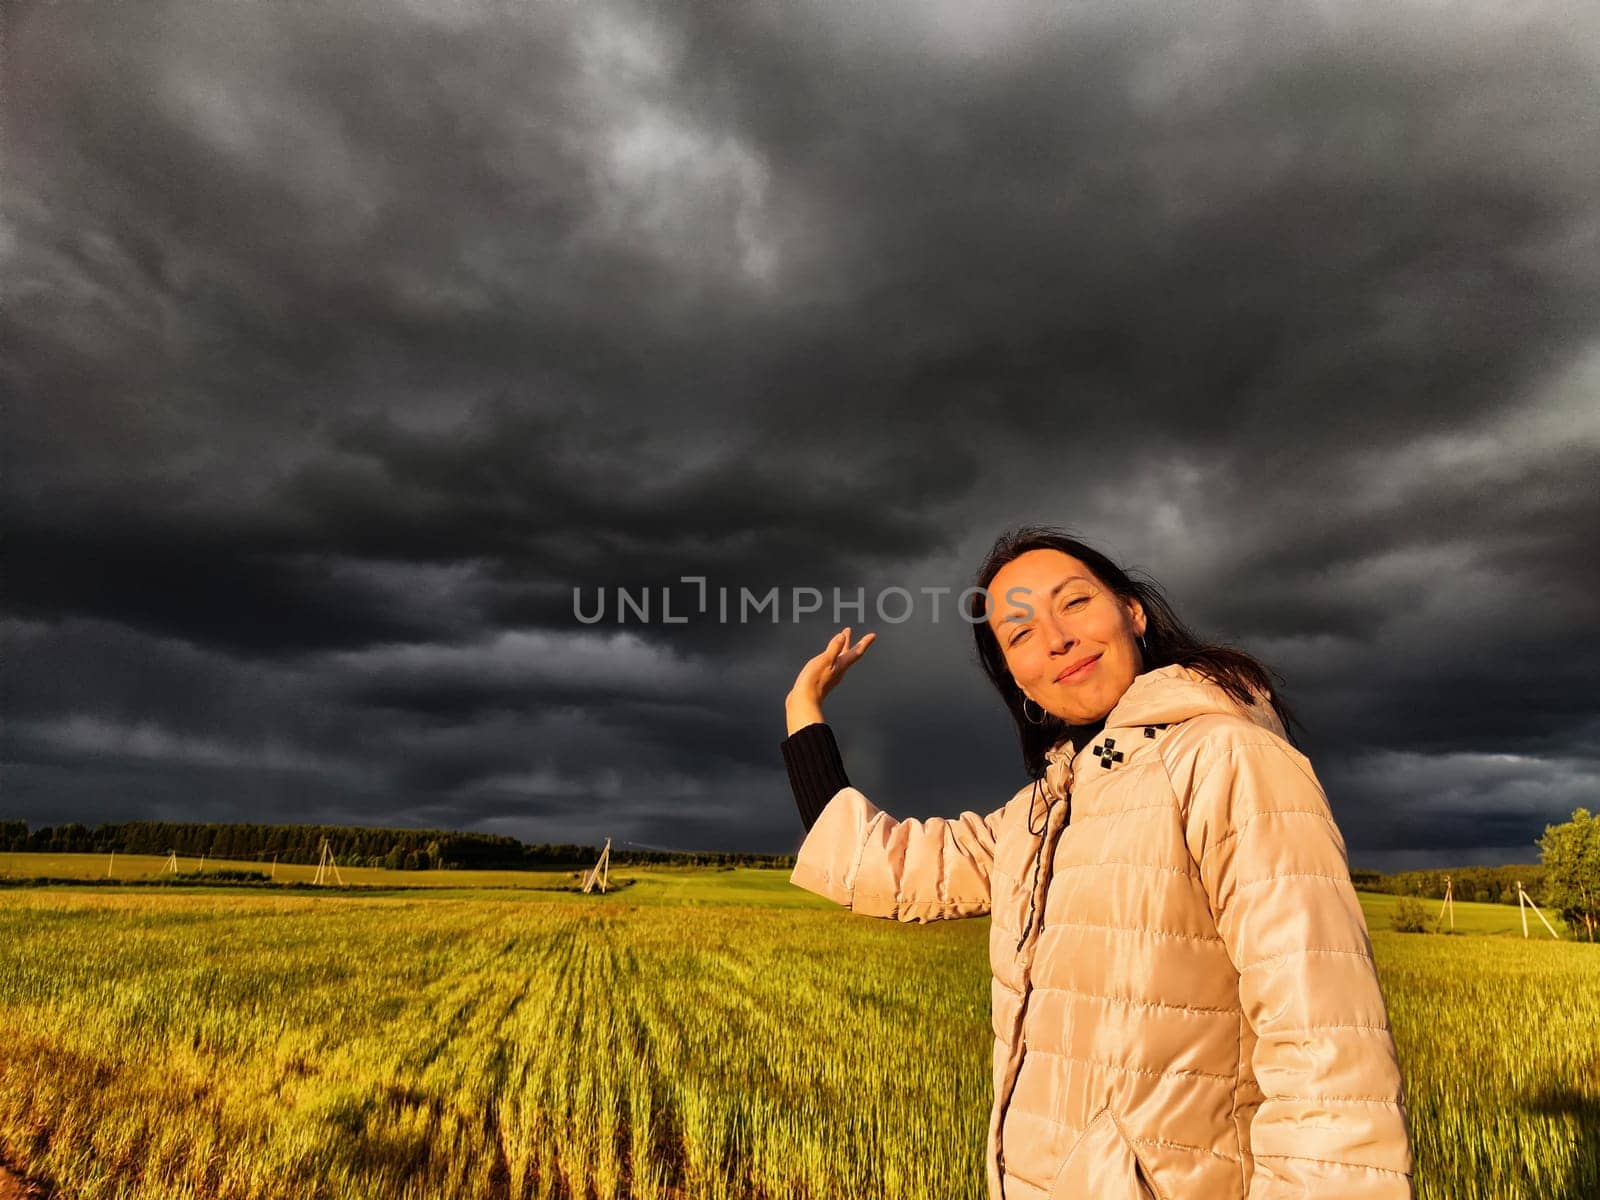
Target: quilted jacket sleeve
1332 1121
912 870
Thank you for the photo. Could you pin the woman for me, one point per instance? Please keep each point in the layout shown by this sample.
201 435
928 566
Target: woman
1184 999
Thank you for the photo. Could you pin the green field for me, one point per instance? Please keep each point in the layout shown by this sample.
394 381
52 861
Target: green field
696 1034
143 868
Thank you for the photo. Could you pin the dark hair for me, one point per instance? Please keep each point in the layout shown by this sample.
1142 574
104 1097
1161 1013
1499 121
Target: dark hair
1167 640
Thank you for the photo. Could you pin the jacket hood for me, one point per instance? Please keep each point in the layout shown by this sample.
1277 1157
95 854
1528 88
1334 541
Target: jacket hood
1165 696
1176 693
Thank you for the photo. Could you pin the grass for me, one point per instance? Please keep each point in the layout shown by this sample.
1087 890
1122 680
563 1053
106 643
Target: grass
1495 920
476 1040
150 868
1502 1065
645 885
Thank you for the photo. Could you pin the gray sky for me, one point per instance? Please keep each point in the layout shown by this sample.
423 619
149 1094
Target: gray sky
342 342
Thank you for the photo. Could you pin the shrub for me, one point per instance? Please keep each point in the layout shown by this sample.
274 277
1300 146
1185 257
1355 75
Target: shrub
1410 916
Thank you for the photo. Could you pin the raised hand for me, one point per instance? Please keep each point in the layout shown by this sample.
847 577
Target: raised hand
820 675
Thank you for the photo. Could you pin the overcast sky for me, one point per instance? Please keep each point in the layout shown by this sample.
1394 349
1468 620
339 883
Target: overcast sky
342 342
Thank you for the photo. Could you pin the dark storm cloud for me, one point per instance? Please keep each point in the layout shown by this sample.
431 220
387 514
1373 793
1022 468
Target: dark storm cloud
342 343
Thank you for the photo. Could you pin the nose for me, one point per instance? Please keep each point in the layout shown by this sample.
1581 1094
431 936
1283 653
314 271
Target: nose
1056 635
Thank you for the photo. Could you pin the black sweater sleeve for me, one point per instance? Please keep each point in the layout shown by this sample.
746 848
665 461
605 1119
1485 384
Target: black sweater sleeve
816 772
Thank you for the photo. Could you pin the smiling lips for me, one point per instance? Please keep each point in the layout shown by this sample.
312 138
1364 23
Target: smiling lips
1077 670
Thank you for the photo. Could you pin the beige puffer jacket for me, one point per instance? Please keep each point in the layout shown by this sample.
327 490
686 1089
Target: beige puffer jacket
1185 1005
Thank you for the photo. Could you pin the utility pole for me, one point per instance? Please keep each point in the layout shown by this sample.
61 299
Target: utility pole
1449 903
601 871
326 867
1524 899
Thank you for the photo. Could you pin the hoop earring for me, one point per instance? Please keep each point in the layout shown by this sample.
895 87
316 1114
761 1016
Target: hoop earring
1025 715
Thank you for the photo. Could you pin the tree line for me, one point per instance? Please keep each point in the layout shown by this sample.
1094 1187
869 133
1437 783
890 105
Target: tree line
1487 885
352 845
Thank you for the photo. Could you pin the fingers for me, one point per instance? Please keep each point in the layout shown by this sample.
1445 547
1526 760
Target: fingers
830 653
844 653
860 648
838 653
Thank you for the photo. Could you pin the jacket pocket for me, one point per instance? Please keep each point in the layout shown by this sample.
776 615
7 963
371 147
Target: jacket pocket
1103 1165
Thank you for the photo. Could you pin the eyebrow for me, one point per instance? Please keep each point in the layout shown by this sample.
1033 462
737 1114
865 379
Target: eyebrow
1014 617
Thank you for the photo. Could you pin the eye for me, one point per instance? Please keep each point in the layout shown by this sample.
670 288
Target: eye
1077 601
1021 633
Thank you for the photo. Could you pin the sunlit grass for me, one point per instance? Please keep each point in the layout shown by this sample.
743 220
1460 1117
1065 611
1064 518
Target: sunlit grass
1500 1042
252 1044
641 885
698 1034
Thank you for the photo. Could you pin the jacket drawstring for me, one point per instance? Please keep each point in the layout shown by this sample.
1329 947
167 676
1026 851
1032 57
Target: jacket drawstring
1038 852
1057 784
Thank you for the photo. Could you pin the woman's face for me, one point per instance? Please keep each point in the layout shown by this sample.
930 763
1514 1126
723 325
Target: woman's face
1075 622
